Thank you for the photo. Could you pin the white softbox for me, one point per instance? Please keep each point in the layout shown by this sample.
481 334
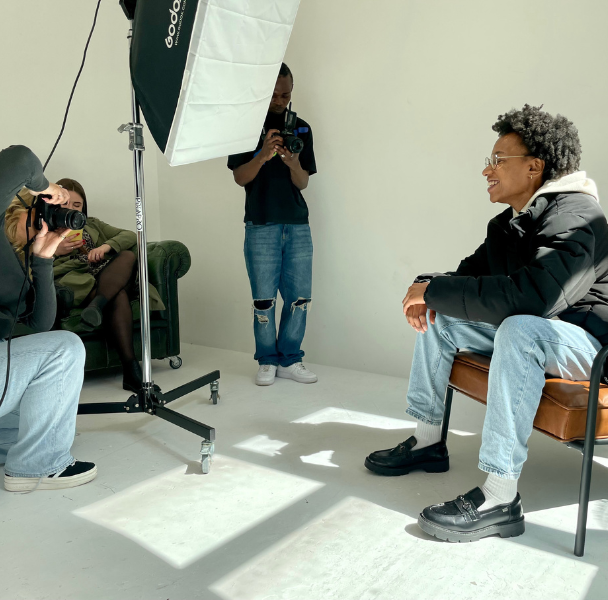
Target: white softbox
204 72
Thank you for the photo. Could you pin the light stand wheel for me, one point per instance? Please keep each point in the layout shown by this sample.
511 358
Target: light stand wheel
215 391
175 362
207 451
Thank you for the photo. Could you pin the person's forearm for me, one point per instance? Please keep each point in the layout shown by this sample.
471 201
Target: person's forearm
45 307
248 172
299 177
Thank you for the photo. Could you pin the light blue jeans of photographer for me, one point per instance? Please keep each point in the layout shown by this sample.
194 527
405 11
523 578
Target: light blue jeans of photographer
38 415
523 349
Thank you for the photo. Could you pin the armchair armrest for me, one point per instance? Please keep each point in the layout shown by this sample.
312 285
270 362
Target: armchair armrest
168 261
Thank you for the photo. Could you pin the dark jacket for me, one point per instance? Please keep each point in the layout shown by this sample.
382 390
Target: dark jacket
549 261
19 167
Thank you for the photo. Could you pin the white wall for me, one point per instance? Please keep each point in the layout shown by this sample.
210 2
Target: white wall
41 49
401 97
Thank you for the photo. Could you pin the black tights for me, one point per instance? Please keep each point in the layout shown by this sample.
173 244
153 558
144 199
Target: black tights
113 284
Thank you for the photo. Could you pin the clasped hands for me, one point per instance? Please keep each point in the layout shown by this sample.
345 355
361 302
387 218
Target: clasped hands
415 309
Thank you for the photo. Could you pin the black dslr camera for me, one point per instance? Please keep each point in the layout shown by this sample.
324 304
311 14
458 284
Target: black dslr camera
57 217
291 141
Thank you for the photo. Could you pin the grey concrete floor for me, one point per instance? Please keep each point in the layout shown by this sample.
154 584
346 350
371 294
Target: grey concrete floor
288 511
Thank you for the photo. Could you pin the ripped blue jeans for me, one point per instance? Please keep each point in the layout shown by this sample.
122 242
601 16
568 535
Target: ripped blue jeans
279 259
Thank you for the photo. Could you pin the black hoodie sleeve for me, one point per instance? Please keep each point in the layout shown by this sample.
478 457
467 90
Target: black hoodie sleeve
475 265
559 275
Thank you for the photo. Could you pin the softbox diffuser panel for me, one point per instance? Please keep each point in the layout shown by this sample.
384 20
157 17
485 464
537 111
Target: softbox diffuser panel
204 72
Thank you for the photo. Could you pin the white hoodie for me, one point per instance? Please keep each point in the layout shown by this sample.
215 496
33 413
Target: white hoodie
576 182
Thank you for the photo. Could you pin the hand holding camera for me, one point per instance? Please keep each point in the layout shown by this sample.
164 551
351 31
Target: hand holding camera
271 146
291 160
54 194
46 243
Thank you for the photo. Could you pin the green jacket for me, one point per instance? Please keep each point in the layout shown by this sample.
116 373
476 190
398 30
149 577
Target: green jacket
74 274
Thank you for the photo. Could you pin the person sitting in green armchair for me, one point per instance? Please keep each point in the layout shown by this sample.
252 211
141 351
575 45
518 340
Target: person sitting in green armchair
100 267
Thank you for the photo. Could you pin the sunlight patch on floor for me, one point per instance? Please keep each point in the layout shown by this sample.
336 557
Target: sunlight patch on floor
563 518
182 515
352 417
600 460
262 444
461 433
322 458
361 551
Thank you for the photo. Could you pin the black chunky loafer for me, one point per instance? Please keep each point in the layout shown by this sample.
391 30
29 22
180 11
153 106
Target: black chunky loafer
460 521
402 459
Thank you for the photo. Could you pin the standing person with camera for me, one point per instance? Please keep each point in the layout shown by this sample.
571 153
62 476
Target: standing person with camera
278 244
40 375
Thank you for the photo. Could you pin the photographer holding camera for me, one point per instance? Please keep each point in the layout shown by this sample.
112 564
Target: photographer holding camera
41 374
278 244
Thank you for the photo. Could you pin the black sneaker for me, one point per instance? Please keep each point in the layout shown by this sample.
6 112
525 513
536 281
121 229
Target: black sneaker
401 459
78 473
460 521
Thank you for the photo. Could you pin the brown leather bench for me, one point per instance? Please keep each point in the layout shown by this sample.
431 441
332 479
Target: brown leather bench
562 415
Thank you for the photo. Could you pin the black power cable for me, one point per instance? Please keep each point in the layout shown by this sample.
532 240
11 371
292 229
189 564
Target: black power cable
67 110
65 118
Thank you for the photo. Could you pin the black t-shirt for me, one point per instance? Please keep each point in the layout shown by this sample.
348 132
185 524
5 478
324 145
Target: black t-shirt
272 197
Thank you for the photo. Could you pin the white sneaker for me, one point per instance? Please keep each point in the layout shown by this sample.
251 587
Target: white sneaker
298 372
266 375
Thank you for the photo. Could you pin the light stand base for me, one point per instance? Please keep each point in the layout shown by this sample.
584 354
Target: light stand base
153 402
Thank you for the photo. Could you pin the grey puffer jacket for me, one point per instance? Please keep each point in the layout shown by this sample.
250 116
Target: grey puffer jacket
551 260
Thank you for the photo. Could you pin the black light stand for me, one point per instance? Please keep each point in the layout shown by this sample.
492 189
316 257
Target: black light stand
149 398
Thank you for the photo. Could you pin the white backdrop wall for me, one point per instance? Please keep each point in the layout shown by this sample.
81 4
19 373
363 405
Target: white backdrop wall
41 49
401 97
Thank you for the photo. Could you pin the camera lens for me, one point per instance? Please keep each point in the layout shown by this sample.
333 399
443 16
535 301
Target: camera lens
74 219
294 144
65 218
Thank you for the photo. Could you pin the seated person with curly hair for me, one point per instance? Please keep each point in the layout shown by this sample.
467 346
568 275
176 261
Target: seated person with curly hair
533 296
101 270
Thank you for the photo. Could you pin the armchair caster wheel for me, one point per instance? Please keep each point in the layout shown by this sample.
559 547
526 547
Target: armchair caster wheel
215 391
207 451
175 362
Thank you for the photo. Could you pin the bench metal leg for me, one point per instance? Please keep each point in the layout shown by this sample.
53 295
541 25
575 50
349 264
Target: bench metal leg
446 414
583 502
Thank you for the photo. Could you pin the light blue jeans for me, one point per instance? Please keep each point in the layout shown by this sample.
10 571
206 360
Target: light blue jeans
279 259
523 349
38 415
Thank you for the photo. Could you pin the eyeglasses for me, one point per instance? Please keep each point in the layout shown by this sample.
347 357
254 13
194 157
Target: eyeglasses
495 161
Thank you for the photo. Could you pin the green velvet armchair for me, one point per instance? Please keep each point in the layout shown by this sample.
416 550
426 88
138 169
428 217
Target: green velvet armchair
168 261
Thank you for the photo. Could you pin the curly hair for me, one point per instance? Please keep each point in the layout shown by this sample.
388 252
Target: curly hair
552 139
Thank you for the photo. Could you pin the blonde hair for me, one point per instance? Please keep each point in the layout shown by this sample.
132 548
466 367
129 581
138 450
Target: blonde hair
12 217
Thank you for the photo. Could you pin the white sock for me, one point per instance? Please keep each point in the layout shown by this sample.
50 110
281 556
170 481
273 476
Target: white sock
498 490
426 435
